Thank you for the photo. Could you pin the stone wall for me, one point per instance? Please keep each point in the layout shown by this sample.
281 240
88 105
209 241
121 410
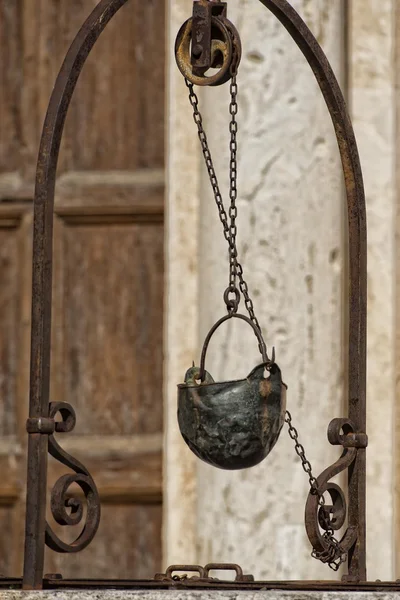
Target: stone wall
373 106
192 595
292 244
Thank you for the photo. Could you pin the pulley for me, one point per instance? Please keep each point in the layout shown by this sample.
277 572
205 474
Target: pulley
208 41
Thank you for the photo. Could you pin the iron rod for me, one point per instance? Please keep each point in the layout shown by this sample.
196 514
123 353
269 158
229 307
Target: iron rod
42 282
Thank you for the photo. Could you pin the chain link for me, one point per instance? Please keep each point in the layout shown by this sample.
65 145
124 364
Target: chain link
233 109
334 556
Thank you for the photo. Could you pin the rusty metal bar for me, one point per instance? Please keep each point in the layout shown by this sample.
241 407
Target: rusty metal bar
42 283
54 583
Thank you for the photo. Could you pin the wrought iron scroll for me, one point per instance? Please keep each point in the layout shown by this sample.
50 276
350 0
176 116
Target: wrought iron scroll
68 510
40 426
341 432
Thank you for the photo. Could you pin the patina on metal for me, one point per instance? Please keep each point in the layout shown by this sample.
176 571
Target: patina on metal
217 45
232 424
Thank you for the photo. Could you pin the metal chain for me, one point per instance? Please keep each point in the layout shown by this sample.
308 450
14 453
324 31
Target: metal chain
334 555
233 255
194 101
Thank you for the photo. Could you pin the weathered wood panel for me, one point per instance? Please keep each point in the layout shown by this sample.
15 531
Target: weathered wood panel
116 119
108 270
6 529
10 86
110 321
8 329
125 468
128 546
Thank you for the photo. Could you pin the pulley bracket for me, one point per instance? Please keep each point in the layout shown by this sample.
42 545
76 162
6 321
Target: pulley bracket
203 11
208 40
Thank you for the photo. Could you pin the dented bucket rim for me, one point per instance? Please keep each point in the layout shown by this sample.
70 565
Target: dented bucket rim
267 365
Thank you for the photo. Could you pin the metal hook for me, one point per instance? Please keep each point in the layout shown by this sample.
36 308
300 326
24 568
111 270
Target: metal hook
232 304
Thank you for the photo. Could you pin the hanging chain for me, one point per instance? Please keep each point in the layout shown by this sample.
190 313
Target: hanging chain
334 555
233 255
236 269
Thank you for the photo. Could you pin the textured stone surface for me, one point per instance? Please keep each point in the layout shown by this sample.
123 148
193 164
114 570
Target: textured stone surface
372 93
181 254
291 232
195 595
290 242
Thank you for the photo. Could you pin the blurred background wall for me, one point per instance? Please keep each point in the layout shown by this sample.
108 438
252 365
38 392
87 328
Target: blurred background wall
132 305
107 336
292 241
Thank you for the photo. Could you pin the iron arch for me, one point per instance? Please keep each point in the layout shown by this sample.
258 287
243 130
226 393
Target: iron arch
42 268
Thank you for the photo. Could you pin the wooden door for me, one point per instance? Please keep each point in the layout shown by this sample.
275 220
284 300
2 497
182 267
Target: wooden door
108 273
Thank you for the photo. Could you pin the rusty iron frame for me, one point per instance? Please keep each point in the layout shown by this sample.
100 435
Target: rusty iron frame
41 425
56 583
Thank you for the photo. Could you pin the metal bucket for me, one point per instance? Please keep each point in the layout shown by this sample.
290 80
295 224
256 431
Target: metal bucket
233 424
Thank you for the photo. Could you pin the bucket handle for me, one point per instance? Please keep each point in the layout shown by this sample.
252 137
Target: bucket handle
261 344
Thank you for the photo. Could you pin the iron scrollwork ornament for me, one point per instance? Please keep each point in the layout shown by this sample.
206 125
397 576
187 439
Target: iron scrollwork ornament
331 517
68 510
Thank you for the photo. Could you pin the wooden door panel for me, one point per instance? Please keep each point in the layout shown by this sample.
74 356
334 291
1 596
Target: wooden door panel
116 120
10 85
127 546
110 326
126 469
107 358
15 254
8 328
7 532
10 448
116 117
108 272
